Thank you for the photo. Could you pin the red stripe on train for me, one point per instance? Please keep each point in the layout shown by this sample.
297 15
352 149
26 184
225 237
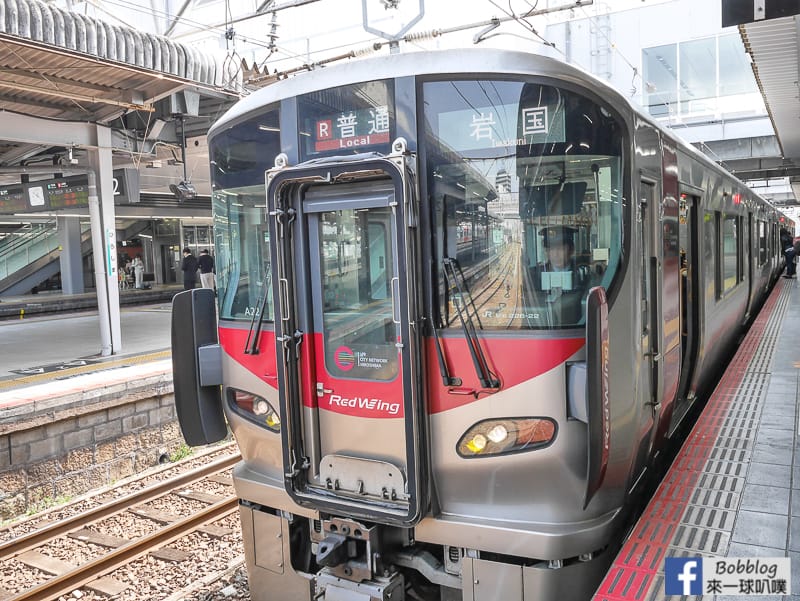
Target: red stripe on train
513 360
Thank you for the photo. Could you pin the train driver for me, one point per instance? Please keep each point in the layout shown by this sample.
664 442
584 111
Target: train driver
560 278
559 245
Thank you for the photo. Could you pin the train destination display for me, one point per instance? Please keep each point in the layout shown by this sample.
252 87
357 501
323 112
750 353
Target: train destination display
352 129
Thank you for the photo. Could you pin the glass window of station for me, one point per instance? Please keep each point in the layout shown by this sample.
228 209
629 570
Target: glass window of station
239 157
700 79
526 182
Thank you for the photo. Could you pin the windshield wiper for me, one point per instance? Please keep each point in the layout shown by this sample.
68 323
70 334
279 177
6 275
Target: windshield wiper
468 315
254 334
447 379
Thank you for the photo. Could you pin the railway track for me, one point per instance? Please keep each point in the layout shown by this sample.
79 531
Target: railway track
207 491
499 300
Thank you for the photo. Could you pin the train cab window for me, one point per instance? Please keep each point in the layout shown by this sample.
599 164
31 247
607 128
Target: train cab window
526 184
347 120
239 157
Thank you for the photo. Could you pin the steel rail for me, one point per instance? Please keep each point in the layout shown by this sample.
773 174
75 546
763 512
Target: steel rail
33 539
86 573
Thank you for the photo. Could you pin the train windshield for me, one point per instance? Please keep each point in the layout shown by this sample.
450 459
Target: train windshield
526 184
239 158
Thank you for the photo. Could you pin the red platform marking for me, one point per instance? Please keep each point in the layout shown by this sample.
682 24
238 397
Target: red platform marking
642 555
641 558
625 583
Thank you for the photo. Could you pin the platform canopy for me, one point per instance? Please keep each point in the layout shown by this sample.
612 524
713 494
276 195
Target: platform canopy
66 66
774 49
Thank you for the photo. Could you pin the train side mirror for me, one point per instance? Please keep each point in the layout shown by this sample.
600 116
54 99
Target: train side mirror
197 367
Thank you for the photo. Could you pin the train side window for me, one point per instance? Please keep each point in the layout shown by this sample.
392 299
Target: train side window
744 240
728 252
648 198
713 249
763 246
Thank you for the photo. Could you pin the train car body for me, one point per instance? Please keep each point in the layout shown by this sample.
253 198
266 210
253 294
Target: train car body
430 402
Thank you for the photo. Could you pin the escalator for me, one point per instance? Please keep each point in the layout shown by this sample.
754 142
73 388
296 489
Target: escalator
31 255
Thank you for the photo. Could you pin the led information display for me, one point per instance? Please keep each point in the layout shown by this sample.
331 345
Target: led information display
353 129
65 193
12 200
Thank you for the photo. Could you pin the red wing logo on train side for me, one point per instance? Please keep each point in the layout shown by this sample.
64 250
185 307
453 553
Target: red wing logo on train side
365 406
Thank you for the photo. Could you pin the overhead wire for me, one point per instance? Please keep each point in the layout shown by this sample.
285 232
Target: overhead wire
287 54
232 58
203 28
614 47
522 22
414 37
196 25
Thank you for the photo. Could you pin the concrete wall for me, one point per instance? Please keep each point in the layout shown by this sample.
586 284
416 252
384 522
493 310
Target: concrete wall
66 445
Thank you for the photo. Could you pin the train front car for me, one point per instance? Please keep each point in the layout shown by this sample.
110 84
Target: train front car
429 342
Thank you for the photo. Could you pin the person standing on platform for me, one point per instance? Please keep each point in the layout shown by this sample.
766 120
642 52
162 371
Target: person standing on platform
796 252
787 246
189 269
206 262
138 271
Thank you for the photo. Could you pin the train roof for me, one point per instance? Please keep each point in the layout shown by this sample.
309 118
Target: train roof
465 61
461 61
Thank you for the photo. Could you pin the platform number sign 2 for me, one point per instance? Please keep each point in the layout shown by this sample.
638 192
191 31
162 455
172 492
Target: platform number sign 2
126 185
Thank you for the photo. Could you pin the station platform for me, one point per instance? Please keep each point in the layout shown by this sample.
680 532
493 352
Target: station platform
16 307
59 346
734 488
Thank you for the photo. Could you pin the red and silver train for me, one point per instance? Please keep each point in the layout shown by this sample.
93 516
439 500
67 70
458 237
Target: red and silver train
464 299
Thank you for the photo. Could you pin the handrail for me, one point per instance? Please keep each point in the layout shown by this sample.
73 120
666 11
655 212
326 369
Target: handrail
28 249
29 231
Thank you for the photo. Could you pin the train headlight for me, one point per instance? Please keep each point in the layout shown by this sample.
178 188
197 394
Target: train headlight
498 434
509 435
477 443
255 408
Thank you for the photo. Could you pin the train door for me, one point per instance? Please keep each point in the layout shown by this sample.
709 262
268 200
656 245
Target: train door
648 303
689 298
350 387
660 304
